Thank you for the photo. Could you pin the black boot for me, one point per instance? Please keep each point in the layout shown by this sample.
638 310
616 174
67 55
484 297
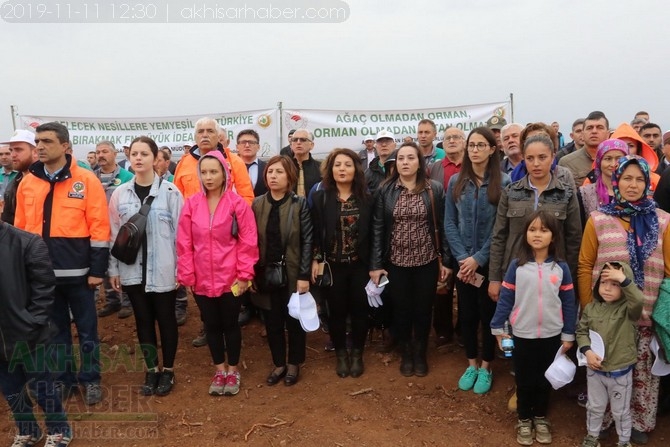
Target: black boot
342 368
407 360
356 362
420 362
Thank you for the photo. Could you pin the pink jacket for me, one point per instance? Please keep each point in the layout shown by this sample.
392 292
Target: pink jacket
209 258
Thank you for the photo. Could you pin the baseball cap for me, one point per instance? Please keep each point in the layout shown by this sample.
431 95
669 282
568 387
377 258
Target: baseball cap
496 122
309 318
561 371
369 138
21 136
384 134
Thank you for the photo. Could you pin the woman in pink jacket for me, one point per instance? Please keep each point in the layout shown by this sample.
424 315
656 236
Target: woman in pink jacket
217 249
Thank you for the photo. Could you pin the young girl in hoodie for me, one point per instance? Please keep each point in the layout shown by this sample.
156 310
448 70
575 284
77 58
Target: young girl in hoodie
538 298
217 249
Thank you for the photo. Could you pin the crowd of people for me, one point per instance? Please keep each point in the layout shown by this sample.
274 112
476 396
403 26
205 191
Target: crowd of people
542 242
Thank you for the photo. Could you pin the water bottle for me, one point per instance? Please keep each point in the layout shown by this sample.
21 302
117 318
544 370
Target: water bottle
507 343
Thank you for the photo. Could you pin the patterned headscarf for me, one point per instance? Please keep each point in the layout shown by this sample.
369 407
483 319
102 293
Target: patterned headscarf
603 148
643 234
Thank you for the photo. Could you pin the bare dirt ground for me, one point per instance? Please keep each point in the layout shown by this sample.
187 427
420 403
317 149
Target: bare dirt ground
380 408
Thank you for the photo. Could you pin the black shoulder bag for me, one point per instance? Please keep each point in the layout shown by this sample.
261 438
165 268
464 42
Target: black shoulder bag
129 239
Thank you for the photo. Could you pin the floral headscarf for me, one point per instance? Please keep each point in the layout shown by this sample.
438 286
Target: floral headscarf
643 234
603 148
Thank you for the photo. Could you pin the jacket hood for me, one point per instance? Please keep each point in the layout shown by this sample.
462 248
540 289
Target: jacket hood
218 155
625 130
628 271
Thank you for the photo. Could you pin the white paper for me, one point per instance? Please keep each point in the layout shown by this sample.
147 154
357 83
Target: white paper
597 346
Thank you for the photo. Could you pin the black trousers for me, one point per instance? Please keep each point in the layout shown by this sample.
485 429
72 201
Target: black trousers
277 320
532 357
347 298
222 329
476 308
412 291
149 308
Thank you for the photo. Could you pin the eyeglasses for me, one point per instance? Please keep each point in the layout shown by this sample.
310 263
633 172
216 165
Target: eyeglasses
478 146
247 142
453 138
301 140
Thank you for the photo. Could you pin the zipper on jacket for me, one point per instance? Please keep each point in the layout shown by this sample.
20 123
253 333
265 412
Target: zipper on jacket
211 264
539 303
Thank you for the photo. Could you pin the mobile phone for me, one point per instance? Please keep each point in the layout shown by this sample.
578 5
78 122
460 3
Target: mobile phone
383 280
235 289
478 281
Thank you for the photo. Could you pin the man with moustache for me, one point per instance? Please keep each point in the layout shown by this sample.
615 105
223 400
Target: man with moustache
510 134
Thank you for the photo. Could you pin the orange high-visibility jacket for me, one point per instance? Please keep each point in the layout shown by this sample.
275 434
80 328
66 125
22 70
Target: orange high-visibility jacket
70 213
187 179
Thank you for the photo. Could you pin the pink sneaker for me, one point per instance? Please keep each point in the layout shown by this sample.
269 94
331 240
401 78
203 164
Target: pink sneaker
232 384
218 384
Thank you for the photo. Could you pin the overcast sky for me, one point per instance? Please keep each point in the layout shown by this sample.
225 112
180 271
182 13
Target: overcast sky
560 58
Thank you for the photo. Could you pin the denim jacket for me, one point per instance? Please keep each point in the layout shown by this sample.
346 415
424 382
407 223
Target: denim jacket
469 221
161 234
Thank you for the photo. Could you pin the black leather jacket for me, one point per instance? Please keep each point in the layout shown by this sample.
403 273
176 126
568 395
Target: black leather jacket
326 217
299 248
382 222
27 283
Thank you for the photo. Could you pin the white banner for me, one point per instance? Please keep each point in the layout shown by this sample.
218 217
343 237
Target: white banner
173 132
339 128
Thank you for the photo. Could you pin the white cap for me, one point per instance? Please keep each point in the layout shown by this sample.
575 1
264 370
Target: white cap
294 306
22 136
309 319
384 134
561 371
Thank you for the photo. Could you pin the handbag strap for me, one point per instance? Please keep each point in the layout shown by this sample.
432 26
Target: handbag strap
323 227
435 229
144 209
290 224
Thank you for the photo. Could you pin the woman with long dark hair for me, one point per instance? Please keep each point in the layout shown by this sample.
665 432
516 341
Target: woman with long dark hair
470 211
407 245
341 218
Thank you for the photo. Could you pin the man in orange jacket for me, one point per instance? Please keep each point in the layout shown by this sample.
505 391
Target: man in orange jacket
66 205
186 178
207 138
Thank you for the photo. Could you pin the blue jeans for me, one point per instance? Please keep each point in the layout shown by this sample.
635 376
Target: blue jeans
14 376
78 298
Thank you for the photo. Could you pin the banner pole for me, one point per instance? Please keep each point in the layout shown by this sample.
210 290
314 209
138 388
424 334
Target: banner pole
511 105
14 110
281 126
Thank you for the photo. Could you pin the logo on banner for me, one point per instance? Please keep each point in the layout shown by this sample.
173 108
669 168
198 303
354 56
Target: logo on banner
77 191
296 121
32 124
499 112
264 121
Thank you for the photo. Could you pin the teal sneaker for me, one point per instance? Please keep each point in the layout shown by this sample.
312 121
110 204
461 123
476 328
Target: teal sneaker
467 380
483 383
